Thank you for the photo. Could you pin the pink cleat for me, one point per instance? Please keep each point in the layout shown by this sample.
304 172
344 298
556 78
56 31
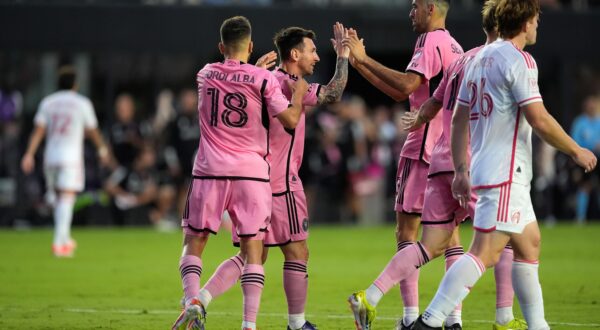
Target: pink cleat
192 317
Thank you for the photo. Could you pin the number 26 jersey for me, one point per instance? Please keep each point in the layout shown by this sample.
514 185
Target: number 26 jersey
498 82
235 102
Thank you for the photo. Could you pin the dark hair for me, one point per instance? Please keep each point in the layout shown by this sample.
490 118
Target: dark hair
488 14
512 14
290 38
234 30
66 77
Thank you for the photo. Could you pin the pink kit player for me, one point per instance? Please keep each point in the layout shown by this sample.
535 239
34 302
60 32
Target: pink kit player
441 212
231 172
289 217
435 49
63 118
499 94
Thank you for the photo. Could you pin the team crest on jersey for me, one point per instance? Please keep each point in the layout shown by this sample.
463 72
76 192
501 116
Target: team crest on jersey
305 224
533 85
516 217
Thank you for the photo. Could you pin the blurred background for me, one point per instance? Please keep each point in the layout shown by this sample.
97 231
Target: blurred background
137 61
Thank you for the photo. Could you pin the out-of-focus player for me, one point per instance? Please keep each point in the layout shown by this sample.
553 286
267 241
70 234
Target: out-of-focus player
64 118
435 49
231 172
500 97
289 218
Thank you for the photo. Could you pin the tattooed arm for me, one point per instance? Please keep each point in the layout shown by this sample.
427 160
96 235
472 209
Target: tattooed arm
333 91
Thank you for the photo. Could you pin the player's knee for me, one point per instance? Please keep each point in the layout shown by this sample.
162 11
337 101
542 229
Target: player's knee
434 249
194 245
536 241
296 251
492 260
487 256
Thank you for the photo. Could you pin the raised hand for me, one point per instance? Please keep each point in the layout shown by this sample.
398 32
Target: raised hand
339 33
267 61
358 53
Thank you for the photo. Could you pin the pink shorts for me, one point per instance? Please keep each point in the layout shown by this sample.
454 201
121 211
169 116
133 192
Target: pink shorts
440 209
289 219
411 179
248 203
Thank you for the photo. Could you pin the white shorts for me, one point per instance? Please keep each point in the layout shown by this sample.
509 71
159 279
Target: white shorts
70 178
507 208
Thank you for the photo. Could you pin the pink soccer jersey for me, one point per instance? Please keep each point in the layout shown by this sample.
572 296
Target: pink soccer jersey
447 91
434 52
235 103
287 146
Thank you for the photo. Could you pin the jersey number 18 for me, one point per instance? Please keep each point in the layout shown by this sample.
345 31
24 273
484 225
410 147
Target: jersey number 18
234 103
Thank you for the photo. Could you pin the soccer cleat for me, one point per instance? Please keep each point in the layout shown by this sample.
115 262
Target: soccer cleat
364 313
400 325
420 325
455 326
192 317
306 326
65 250
514 324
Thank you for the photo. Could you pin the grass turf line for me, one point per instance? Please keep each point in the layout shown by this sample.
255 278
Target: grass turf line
128 278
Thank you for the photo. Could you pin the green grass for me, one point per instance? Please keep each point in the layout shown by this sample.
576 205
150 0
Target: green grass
128 279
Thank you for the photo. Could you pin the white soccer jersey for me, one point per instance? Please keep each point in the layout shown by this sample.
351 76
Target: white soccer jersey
65 114
500 80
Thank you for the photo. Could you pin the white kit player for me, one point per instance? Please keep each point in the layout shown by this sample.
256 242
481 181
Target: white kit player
64 117
500 98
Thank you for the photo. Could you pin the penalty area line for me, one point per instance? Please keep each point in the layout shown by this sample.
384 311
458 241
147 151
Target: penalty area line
277 315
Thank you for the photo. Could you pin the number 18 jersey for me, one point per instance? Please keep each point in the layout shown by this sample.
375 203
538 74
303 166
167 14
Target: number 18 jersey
235 102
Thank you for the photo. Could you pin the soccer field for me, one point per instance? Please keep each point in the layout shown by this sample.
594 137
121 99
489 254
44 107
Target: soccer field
128 279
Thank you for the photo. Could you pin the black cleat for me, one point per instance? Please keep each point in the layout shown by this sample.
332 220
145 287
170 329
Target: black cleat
400 325
306 326
420 325
455 326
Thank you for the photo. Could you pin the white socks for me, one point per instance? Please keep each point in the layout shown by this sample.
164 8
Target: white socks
409 315
205 297
63 214
373 295
455 286
529 292
296 321
248 325
504 315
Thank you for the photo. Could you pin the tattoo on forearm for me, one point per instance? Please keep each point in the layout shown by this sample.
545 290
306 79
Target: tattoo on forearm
462 168
333 91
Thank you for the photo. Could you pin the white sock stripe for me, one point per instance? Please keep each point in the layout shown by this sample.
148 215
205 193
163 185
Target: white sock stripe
477 262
